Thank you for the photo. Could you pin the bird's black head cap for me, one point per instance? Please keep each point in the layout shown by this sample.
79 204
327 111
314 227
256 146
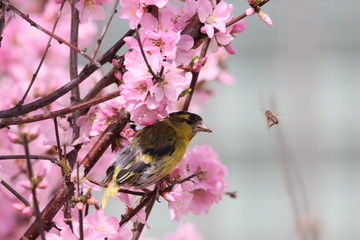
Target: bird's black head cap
187 117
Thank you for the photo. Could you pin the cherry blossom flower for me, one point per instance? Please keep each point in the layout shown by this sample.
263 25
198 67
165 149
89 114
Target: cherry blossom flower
214 18
184 54
181 204
95 226
91 9
210 185
132 10
205 189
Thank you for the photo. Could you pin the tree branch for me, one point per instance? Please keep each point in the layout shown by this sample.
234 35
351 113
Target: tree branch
16 194
21 120
35 157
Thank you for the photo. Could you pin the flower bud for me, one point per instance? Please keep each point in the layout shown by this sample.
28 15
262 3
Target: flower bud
116 63
42 185
239 26
230 49
265 18
26 184
92 201
19 206
79 205
250 11
197 67
27 212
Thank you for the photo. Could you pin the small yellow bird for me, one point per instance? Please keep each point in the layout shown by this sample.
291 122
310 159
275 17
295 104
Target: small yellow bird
153 153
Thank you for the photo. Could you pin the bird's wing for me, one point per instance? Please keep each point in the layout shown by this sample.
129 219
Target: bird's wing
158 140
146 148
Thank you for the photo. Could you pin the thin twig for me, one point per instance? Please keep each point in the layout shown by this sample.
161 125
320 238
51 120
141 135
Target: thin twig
73 68
75 92
86 72
57 138
21 120
154 75
59 39
99 41
33 189
80 212
21 102
16 194
35 157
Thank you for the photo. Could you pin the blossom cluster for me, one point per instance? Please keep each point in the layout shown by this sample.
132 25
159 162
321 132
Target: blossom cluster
168 52
205 189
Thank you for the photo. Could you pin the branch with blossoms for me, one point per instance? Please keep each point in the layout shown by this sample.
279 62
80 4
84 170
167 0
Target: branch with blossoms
172 53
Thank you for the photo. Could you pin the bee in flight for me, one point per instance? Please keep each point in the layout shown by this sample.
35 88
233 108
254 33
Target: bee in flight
271 118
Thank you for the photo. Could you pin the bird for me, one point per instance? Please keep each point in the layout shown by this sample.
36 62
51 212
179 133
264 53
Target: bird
153 153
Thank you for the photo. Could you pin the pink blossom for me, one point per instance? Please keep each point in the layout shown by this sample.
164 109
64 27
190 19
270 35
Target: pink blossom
132 10
210 185
143 115
158 3
164 40
99 226
91 9
214 18
174 195
188 10
239 27
172 85
205 189
96 226
185 231
127 133
180 206
183 53
221 39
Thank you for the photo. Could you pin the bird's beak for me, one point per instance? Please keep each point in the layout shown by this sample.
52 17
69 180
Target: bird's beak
200 127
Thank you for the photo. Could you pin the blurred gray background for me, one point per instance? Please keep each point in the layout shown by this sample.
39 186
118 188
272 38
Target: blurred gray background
300 176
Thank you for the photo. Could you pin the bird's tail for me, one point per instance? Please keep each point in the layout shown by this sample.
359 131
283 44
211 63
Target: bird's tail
112 187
